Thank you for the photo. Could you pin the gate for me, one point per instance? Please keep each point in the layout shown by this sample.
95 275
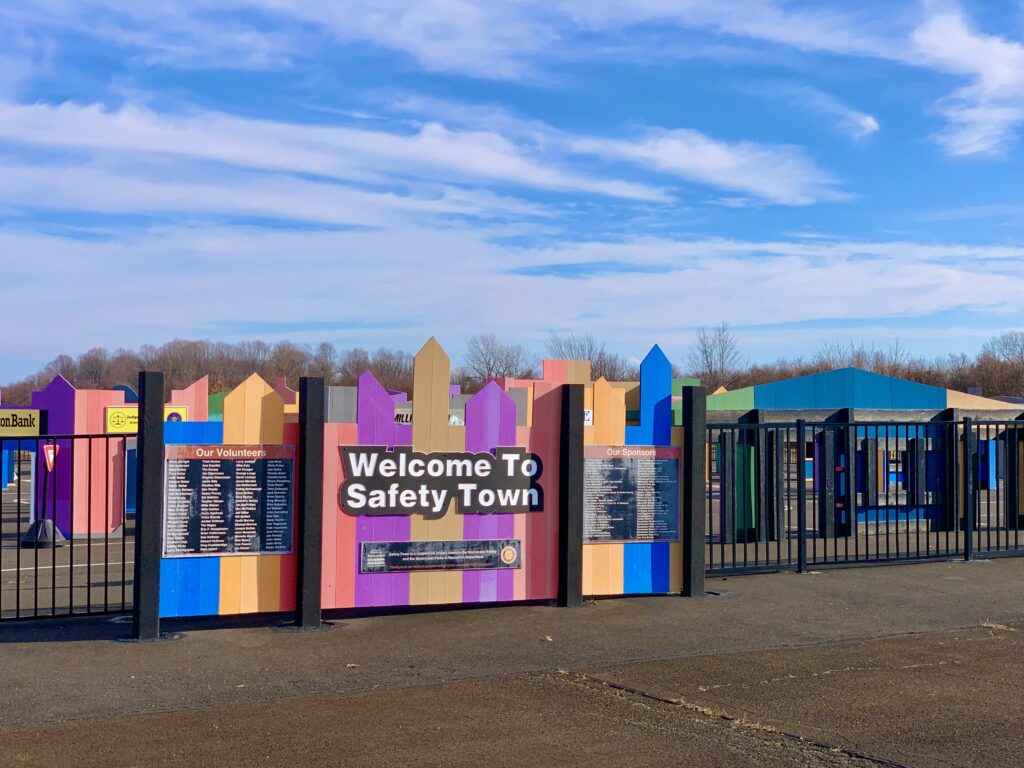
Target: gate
794 495
67 519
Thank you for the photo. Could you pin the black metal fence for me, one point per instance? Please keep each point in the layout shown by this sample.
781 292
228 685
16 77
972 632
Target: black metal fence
795 495
67 520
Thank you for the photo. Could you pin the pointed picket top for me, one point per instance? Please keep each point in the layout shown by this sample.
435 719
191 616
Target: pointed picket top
375 412
58 384
58 400
253 413
490 419
655 426
609 414
656 357
431 378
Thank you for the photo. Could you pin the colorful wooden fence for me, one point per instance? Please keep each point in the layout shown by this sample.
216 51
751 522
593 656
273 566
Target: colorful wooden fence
618 568
492 420
231 584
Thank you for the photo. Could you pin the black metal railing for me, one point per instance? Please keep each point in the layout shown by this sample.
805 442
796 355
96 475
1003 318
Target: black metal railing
797 495
67 520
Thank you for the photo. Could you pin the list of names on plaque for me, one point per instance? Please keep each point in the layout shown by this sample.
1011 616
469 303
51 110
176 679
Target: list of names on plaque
228 499
630 493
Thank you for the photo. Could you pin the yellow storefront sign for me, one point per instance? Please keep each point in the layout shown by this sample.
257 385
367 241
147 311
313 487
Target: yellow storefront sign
19 422
124 419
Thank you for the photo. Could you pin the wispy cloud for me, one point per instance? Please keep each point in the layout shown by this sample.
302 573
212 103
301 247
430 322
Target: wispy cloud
516 39
432 153
185 281
847 121
984 116
535 157
777 173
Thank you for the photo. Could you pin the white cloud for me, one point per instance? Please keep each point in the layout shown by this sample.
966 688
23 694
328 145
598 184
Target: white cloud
170 147
456 281
984 115
849 122
433 153
776 173
515 38
144 190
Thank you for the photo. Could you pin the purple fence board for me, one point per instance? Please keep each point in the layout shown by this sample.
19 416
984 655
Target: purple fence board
53 489
490 423
375 425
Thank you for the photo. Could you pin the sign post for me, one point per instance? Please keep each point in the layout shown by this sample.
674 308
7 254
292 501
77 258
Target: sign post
311 503
570 502
694 489
149 504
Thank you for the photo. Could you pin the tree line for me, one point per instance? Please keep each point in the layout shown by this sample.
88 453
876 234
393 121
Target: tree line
715 357
996 370
227 364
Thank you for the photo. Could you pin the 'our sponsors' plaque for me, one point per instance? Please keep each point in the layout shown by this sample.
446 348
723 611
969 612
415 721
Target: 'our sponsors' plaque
228 499
630 493
409 556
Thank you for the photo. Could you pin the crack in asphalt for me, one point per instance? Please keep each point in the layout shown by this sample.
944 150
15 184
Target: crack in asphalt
596 683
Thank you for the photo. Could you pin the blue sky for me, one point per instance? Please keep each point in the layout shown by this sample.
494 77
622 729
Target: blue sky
372 172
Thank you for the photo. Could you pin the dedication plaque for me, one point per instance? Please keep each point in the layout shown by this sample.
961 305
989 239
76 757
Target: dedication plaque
228 499
410 556
630 493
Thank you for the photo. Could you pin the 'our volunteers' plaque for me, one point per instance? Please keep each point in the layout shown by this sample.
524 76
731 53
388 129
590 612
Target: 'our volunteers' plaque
228 499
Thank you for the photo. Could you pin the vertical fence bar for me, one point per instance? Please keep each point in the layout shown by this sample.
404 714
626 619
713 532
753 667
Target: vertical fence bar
709 500
148 508
124 522
801 499
778 488
694 489
88 534
570 499
71 539
107 506
970 461
311 502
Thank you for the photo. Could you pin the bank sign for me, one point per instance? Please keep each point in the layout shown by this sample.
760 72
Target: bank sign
19 423
379 481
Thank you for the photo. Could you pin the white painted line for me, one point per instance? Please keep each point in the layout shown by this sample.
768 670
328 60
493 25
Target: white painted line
30 568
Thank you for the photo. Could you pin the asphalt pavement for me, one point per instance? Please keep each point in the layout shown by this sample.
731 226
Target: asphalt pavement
913 665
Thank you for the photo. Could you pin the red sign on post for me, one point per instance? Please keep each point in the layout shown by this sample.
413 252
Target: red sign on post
50 454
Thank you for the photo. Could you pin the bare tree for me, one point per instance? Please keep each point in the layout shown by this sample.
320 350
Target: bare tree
488 357
583 346
1008 347
92 368
324 362
998 369
715 357
352 364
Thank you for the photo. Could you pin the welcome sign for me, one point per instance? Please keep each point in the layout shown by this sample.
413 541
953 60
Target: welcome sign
379 481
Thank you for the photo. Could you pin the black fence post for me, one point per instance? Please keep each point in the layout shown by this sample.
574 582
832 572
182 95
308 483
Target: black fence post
310 502
952 491
1011 475
970 462
148 508
570 499
801 498
825 464
847 440
751 509
695 403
